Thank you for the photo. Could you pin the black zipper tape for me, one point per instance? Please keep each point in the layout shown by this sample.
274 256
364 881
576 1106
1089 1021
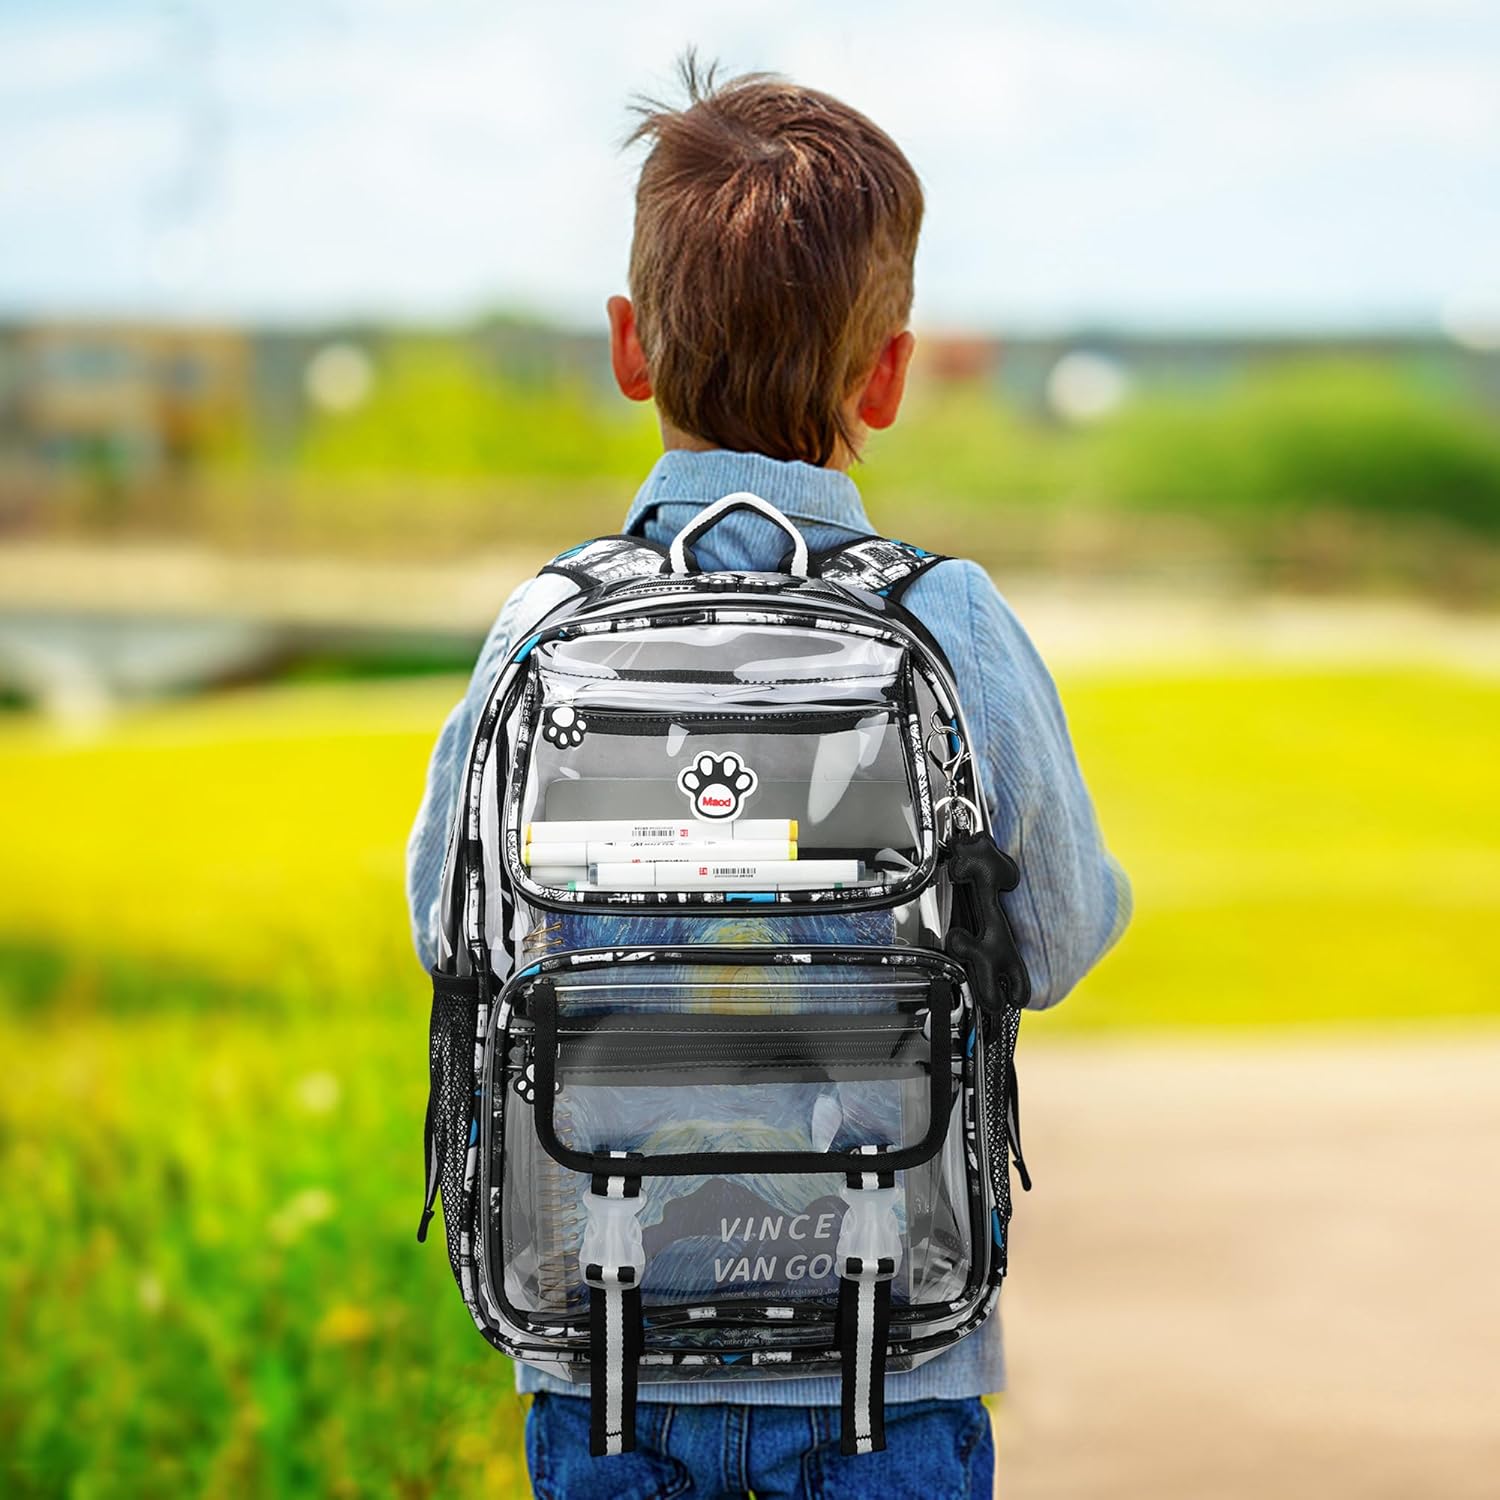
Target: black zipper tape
670 1050
542 1002
771 721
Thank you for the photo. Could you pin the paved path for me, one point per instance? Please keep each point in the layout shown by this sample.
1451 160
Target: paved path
1257 1267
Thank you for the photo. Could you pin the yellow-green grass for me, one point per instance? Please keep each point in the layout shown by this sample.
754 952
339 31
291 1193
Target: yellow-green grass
1303 846
208 1272
257 837
214 1037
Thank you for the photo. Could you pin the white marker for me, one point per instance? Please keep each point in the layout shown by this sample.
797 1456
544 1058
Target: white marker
661 831
764 874
563 875
595 852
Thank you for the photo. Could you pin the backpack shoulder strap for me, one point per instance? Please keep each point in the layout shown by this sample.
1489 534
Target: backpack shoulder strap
876 564
609 559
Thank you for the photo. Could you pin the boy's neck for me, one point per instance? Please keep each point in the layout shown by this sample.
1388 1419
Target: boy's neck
674 437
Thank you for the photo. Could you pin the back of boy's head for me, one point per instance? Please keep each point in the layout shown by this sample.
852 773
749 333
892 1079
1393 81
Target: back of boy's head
774 234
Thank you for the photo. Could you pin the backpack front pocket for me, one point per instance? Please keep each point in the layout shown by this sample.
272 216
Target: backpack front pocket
649 780
743 1092
772 1093
733 802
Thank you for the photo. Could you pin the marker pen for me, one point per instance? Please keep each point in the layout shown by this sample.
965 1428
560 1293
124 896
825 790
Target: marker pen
564 875
595 851
659 831
674 875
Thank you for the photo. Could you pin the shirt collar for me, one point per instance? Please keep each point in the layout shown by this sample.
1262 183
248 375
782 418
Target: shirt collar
683 476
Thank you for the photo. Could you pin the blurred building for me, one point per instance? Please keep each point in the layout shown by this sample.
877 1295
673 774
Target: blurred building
125 406
124 402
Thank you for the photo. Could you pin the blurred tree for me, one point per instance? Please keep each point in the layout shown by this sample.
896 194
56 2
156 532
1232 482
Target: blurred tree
1314 435
434 409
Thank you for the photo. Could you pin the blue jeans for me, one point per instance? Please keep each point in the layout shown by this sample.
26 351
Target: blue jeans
935 1450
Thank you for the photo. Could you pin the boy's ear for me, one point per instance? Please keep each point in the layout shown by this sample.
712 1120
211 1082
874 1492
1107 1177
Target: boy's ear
625 351
881 398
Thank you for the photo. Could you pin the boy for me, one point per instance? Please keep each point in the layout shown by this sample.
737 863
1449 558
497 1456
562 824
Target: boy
771 282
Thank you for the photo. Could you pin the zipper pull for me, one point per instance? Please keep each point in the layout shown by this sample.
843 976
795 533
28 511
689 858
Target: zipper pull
1013 1124
434 1158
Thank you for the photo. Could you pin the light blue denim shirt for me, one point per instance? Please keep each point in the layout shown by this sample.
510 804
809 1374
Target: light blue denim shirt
1073 901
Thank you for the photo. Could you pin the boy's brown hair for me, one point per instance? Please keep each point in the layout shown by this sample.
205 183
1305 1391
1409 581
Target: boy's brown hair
774 234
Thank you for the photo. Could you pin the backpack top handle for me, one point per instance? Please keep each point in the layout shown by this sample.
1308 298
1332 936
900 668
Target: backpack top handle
678 560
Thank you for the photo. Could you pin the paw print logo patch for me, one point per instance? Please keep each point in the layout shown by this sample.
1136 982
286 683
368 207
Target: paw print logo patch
525 1084
717 786
564 727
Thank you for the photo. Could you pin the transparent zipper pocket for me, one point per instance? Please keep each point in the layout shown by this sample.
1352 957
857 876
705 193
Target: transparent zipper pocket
801 1073
743 1083
714 805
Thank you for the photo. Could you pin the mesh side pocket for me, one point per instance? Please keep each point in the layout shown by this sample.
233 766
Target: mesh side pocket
450 1105
999 1060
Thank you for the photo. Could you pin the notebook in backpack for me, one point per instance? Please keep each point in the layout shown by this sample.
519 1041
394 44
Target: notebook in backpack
726 1004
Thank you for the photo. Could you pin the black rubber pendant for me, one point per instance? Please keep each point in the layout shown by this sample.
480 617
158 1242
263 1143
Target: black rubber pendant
980 936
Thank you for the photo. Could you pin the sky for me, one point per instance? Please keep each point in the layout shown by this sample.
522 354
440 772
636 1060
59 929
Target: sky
1244 164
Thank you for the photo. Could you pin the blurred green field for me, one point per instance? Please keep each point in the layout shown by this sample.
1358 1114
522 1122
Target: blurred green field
215 1036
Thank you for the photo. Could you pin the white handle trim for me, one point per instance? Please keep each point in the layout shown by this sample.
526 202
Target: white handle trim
707 517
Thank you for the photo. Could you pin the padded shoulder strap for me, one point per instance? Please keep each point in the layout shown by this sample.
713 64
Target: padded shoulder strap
875 563
609 559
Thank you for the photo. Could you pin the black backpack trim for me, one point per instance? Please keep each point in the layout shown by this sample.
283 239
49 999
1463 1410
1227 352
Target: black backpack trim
609 559
879 565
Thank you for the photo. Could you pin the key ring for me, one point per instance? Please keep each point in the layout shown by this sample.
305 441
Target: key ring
954 757
959 814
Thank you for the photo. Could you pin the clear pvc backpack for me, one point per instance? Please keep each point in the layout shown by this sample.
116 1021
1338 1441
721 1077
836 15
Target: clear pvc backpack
725 1010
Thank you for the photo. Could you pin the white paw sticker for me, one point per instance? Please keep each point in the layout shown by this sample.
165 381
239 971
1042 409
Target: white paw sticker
564 727
717 785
